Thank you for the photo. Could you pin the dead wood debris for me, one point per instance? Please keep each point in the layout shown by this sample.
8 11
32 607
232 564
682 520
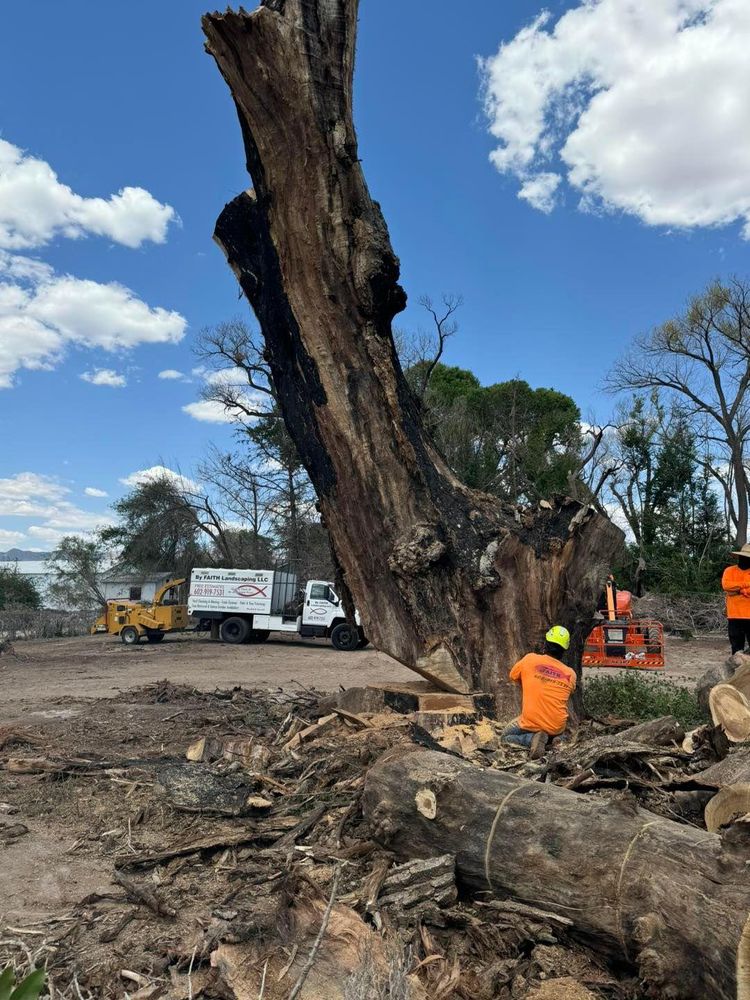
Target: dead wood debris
233 830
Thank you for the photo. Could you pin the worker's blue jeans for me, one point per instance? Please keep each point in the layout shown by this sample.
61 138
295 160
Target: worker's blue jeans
517 736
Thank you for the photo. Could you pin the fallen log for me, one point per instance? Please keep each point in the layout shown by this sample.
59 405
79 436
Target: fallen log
718 674
660 732
671 900
727 806
729 704
732 770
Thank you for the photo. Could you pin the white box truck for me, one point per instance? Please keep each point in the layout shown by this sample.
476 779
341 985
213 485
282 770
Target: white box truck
246 605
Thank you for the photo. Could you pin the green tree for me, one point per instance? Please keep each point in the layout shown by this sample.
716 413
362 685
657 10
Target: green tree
669 500
509 439
700 360
164 525
77 566
17 590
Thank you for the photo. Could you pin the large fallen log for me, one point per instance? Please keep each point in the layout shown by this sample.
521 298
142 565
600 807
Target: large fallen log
669 899
729 703
449 581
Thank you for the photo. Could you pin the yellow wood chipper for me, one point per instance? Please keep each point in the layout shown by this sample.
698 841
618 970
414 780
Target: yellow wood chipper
131 620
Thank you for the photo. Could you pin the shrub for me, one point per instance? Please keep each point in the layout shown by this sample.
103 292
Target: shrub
25 623
640 696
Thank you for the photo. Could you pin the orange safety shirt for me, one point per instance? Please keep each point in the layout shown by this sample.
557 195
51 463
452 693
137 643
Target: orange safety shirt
734 578
546 684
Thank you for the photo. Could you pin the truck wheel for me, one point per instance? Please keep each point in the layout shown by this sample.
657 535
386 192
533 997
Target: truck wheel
155 636
345 637
129 635
234 630
258 635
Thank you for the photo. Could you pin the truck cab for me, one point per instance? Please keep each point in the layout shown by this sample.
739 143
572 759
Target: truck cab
322 614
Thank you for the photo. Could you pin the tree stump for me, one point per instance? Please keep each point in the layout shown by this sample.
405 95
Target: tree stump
448 581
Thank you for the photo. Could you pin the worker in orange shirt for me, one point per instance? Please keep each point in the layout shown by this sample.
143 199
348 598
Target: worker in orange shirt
546 685
736 585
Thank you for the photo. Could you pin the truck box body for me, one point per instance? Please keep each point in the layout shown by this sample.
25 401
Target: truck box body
247 605
241 591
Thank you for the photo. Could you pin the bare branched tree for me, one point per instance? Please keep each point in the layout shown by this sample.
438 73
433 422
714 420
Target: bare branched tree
264 485
597 467
421 352
702 358
238 374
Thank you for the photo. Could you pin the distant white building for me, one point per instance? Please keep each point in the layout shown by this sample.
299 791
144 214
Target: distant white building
119 583
38 572
123 584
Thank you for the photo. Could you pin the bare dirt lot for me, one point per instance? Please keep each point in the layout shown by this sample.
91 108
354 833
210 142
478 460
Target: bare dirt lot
56 670
48 674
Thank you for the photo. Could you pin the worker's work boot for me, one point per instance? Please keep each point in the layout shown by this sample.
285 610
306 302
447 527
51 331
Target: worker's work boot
538 746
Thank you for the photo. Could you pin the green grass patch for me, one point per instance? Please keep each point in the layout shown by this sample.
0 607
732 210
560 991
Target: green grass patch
640 696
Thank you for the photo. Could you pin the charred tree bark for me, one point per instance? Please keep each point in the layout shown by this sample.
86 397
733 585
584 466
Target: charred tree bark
447 580
670 900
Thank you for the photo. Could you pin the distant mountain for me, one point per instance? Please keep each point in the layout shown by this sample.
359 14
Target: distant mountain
22 555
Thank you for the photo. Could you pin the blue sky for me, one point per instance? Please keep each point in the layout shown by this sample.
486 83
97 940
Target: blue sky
123 95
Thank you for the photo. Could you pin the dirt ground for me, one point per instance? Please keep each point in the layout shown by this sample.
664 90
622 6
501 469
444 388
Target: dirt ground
46 675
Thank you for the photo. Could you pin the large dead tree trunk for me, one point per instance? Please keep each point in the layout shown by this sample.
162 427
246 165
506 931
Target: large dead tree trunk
669 899
446 580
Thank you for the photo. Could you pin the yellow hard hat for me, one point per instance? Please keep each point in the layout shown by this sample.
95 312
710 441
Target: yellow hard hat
559 635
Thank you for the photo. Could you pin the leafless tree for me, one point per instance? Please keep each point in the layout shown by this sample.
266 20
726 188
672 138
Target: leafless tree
422 351
244 488
597 467
701 357
238 376
264 483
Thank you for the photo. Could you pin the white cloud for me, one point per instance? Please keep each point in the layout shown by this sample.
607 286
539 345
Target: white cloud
539 191
230 387
35 207
209 411
73 520
638 103
10 537
104 376
41 314
30 486
30 495
93 491
171 374
159 472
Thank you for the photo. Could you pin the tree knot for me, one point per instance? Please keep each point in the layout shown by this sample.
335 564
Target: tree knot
417 549
487 576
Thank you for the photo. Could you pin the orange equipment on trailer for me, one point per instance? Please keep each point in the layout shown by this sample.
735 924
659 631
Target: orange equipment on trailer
623 641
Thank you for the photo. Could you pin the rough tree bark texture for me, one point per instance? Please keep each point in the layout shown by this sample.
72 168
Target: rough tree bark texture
447 581
669 899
